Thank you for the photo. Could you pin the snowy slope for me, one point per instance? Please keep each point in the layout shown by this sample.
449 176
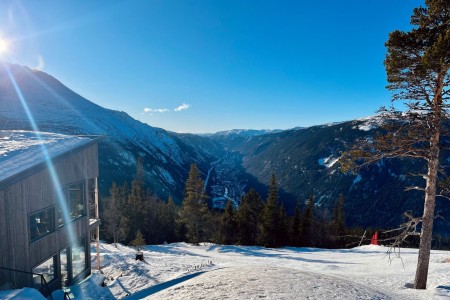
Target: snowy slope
209 271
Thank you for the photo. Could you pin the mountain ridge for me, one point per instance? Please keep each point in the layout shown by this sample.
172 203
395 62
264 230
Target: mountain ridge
303 159
55 108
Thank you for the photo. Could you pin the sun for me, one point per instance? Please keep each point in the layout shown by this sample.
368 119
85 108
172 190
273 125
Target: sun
4 46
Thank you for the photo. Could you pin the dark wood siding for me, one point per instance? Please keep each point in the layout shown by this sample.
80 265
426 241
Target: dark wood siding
3 230
4 242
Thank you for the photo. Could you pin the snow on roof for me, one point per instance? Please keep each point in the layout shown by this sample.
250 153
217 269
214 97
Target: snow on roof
20 150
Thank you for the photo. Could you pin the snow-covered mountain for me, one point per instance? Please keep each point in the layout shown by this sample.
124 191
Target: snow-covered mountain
244 132
303 159
56 108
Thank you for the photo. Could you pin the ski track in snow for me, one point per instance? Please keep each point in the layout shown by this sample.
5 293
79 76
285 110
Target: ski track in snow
244 272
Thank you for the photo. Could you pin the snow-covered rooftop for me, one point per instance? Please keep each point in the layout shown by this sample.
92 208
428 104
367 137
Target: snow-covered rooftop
21 150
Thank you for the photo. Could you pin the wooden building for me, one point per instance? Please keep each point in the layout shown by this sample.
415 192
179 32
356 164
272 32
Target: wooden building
48 209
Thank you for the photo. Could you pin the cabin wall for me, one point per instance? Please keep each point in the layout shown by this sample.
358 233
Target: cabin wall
36 192
5 281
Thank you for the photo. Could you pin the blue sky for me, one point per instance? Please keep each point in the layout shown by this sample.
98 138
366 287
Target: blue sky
223 64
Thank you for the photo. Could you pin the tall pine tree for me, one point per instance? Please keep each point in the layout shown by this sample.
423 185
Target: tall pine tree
248 218
270 215
194 213
282 235
134 210
228 225
114 217
307 223
338 224
170 216
418 72
294 228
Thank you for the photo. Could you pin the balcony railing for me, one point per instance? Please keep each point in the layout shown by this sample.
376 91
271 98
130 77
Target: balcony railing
43 287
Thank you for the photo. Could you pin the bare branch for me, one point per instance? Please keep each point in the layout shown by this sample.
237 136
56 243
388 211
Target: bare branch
412 188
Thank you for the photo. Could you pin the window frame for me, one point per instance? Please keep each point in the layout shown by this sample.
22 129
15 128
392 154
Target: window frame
55 270
67 202
82 240
52 219
83 199
71 277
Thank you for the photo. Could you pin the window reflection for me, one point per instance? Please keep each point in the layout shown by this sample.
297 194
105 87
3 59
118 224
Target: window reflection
63 256
91 197
74 203
79 257
47 269
60 216
42 223
76 200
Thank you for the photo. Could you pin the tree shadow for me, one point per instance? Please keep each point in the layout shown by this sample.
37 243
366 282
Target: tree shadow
162 286
169 249
284 253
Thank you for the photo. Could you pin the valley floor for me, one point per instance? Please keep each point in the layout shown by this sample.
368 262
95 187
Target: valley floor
209 271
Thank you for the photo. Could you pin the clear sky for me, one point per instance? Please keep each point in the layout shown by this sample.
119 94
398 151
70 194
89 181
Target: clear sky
223 63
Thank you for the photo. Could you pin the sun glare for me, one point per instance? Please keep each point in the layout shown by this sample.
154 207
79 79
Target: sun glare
3 46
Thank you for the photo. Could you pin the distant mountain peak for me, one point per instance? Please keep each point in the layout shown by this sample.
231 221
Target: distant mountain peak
246 132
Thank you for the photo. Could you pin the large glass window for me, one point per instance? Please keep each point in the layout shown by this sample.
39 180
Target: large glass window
79 261
91 198
41 223
60 215
63 257
74 204
76 200
47 269
74 261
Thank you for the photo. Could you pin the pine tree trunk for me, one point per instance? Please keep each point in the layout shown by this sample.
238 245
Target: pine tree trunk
420 281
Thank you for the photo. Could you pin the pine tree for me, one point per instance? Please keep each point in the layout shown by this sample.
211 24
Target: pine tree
282 234
417 66
248 218
135 212
152 223
270 215
171 211
338 225
307 223
116 223
294 228
228 225
194 213
138 241
140 171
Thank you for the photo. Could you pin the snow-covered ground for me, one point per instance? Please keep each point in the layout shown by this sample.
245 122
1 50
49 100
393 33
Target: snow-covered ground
209 271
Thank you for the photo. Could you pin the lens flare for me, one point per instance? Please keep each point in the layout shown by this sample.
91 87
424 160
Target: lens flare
48 161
